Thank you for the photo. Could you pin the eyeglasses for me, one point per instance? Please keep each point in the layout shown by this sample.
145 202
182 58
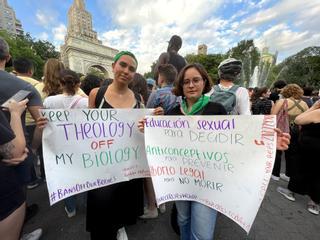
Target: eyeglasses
195 81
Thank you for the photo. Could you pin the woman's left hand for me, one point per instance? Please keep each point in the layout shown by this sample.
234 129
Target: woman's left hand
158 111
141 125
283 139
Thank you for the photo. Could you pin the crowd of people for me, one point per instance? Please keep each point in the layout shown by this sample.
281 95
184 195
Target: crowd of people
178 88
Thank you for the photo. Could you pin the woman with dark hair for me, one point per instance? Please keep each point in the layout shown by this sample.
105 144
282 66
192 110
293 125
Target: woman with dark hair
90 82
112 207
139 86
260 104
195 219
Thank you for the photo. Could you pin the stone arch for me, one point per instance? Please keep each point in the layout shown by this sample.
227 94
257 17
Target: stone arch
100 68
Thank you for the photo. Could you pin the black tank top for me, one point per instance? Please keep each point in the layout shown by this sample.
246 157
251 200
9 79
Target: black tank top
177 61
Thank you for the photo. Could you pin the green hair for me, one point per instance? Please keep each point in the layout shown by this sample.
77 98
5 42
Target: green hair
120 54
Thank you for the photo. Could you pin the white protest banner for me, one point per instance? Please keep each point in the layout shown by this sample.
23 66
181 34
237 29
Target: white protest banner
85 149
224 162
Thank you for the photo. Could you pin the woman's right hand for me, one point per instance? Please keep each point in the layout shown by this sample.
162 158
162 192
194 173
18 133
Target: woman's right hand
18 160
17 107
141 125
42 122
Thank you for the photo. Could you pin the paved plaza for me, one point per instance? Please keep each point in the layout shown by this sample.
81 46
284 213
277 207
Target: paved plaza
277 219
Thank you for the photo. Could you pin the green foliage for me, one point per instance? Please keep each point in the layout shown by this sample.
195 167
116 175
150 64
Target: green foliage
249 55
210 63
302 68
37 51
151 73
97 72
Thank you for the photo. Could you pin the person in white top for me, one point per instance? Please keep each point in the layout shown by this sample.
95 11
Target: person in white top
70 83
228 71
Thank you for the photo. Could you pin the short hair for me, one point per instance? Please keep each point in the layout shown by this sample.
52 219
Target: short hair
279 84
168 72
89 82
292 90
139 85
175 42
23 65
257 93
69 81
307 91
178 83
4 49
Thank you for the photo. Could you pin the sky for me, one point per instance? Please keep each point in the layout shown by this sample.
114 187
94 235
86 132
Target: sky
145 26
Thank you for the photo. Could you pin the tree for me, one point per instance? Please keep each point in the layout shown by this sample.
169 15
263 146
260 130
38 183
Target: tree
151 73
302 68
249 55
25 46
210 62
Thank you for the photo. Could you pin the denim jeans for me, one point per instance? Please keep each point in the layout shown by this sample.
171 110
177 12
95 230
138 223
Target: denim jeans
70 203
196 221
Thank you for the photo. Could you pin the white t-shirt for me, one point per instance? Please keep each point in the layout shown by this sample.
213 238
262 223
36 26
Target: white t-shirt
63 101
242 100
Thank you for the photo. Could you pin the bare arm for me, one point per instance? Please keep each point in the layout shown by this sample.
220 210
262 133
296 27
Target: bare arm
276 107
37 135
312 115
15 148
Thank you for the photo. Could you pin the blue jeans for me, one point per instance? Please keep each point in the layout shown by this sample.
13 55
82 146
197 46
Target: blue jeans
70 203
196 221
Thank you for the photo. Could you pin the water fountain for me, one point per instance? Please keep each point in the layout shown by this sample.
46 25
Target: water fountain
261 72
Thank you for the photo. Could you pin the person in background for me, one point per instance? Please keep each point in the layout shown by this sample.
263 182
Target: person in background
275 96
10 85
151 84
12 152
260 104
171 56
306 180
163 97
51 84
276 90
90 82
24 69
315 95
292 94
250 91
68 99
139 85
229 70
307 96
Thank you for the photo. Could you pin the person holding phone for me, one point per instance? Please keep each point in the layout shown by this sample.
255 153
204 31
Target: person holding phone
12 152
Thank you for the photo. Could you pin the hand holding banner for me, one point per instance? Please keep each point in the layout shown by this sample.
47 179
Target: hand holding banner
224 162
85 149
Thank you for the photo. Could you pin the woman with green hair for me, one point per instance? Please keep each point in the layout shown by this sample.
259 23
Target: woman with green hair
112 207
